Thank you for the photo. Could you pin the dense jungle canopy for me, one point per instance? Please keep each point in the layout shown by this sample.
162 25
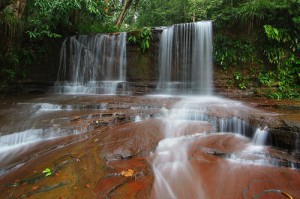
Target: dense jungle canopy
256 39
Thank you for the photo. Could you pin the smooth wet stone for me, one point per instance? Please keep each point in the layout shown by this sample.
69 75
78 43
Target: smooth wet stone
131 140
114 185
89 164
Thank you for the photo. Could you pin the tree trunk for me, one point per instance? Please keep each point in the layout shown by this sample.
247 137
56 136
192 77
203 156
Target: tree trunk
18 8
123 13
106 6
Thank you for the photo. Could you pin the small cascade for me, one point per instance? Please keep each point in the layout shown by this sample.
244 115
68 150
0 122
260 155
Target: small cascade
137 118
199 119
14 140
235 125
20 137
93 64
210 109
185 62
296 150
47 107
174 174
260 136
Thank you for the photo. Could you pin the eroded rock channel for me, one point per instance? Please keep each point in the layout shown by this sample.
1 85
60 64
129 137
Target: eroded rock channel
102 146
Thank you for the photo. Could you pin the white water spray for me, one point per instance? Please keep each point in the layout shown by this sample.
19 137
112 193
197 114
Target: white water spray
93 64
260 136
185 62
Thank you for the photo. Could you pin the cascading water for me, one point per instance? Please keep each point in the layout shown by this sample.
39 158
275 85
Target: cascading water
36 127
185 62
297 146
217 127
260 136
204 151
93 64
186 68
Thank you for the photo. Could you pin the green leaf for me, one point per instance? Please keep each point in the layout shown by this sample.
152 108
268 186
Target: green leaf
47 172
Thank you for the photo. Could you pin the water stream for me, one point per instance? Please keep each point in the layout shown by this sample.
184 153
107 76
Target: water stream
185 61
186 68
201 133
194 119
93 64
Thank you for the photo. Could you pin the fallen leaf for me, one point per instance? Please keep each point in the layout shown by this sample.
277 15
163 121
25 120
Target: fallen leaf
127 173
35 188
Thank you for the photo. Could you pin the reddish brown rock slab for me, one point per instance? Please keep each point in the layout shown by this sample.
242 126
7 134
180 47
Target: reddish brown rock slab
77 169
226 178
177 128
131 139
287 110
219 144
135 185
82 169
140 138
74 172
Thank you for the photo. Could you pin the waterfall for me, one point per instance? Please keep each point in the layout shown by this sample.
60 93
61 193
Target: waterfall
185 62
296 150
260 137
92 64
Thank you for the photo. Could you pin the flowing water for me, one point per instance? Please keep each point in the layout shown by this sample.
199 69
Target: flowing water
185 62
186 68
205 141
208 147
93 64
195 119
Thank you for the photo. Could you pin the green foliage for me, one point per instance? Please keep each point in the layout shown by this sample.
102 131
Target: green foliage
283 52
15 62
272 33
203 9
229 52
253 13
143 38
12 25
272 30
47 172
240 81
87 25
267 78
132 39
162 12
245 31
48 16
11 32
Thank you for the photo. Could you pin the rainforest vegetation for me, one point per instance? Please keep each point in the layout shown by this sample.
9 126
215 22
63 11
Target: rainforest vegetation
257 40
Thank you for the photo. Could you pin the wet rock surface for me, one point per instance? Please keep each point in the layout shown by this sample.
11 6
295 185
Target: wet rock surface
283 120
105 147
